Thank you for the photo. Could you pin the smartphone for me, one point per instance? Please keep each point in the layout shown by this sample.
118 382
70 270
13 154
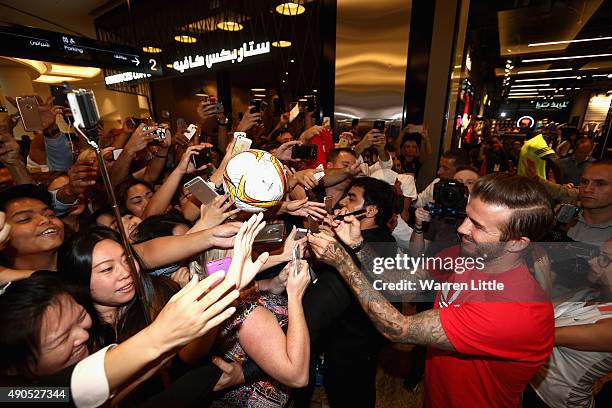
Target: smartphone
191 131
242 143
256 105
222 264
135 122
28 110
415 128
300 233
326 122
204 157
566 213
329 201
313 225
3 114
201 190
271 233
294 112
355 123
116 153
379 125
160 134
305 152
59 95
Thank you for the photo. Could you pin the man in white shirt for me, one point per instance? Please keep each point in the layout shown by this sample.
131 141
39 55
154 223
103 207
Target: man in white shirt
450 160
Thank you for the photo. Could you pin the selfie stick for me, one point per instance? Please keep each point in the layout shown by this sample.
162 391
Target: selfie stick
86 116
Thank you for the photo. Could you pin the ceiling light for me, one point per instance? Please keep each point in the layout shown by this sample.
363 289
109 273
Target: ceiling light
151 50
292 60
283 81
302 100
314 90
74 71
185 39
568 42
281 43
537 71
230 26
566 58
578 77
599 75
522 93
260 95
290 9
544 79
287 73
55 79
169 66
529 86
258 89
576 88
201 92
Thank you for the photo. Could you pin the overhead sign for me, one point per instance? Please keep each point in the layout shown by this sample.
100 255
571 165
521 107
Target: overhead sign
551 105
124 77
44 45
236 55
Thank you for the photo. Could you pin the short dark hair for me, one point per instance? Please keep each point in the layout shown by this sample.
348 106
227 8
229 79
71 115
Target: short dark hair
22 307
25 191
158 226
468 168
532 214
333 155
461 158
378 193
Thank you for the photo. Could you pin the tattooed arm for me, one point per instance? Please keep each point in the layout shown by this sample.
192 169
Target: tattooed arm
423 328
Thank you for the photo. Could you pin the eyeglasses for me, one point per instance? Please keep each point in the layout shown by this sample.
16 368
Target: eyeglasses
603 260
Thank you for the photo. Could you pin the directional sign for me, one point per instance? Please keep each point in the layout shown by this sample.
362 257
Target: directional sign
33 43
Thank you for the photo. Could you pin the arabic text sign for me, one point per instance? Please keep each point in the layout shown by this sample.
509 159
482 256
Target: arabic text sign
552 105
236 55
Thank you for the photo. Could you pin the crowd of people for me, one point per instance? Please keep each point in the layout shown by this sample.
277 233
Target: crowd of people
146 324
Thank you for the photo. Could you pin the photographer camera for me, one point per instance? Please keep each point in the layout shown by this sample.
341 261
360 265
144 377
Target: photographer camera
438 220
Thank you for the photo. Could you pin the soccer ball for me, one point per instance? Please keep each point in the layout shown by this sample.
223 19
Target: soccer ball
255 180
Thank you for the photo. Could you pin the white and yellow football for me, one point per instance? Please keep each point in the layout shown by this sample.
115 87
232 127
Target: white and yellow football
255 180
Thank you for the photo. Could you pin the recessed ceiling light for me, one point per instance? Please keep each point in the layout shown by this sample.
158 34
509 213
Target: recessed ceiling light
281 43
292 60
544 79
260 95
537 71
258 89
566 58
169 66
185 39
230 26
568 42
290 9
529 85
74 71
151 50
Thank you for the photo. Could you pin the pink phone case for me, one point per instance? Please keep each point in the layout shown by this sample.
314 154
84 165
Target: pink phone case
222 264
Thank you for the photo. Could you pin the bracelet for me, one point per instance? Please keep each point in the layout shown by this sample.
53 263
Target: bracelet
358 247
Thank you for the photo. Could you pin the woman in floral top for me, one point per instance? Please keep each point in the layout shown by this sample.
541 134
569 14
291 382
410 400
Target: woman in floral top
257 331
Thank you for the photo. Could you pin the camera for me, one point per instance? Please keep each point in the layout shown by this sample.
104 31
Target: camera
450 198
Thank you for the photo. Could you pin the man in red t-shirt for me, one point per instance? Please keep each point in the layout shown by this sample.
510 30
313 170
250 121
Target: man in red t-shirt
485 343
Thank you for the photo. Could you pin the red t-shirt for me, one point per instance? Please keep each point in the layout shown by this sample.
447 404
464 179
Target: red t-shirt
325 145
501 338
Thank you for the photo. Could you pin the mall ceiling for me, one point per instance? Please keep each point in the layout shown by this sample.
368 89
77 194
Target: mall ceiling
542 48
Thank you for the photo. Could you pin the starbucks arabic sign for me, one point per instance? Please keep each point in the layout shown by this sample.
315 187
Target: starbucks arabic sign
552 105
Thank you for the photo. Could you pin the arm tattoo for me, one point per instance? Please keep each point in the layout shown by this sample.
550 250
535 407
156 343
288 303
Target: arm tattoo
423 328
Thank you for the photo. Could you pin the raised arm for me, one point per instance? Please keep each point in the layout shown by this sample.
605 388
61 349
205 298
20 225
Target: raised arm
166 250
586 337
163 196
423 328
285 358
137 142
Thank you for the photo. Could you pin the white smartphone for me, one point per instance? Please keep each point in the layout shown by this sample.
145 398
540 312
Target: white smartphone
294 112
415 128
116 153
191 130
242 143
201 190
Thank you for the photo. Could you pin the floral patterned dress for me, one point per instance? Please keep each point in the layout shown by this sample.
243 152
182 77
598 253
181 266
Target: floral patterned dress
268 392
